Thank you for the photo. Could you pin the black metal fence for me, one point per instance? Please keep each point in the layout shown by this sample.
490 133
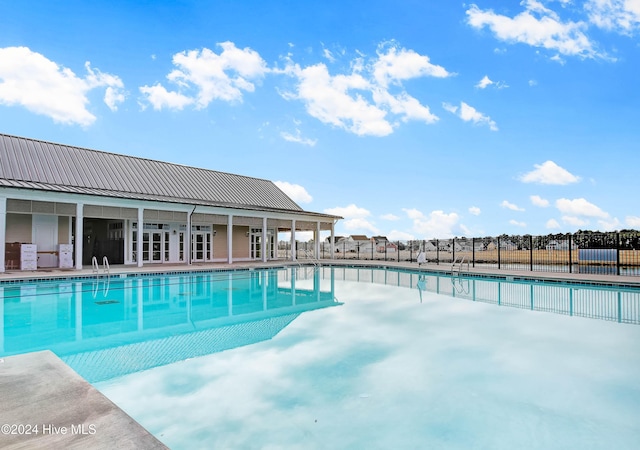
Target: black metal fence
616 253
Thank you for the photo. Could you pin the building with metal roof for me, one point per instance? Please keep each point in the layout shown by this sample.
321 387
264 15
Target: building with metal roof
52 194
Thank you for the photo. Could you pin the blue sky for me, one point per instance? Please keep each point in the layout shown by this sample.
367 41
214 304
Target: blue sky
411 119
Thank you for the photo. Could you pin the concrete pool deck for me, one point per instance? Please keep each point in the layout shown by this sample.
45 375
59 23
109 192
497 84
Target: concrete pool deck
40 389
444 268
45 404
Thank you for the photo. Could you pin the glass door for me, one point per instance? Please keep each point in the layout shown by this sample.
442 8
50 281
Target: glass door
256 243
198 253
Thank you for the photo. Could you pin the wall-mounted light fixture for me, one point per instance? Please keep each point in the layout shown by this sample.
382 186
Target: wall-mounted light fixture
214 232
247 233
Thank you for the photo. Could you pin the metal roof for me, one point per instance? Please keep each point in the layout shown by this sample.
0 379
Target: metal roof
33 164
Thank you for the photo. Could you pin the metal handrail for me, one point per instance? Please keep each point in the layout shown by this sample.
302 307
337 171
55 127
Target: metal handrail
459 267
105 265
94 264
309 255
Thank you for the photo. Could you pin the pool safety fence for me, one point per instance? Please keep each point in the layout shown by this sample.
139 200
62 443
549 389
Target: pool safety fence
615 253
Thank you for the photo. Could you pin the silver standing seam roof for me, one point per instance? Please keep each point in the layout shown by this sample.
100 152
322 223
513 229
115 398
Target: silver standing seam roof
33 164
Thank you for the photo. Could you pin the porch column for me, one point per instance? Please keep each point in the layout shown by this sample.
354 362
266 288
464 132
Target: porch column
317 240
188 246
3 231
230 239
333 239
140 233
265 245
294 250
79 238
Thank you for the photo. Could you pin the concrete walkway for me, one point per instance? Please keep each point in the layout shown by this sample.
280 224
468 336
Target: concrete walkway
45 404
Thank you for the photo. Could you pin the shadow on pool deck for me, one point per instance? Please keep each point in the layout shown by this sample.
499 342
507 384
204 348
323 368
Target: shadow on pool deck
45 404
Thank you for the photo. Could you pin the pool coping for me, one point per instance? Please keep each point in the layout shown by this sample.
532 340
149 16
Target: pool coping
123 271
46 404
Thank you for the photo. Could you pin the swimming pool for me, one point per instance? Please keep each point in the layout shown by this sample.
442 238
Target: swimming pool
347 357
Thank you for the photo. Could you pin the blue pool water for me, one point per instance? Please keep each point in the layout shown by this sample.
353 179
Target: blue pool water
346 357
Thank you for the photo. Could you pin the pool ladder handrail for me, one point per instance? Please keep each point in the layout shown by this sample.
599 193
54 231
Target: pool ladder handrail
456 266
105 266
310 256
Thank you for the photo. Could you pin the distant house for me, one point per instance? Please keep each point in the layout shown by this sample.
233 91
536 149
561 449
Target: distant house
383 244
561 245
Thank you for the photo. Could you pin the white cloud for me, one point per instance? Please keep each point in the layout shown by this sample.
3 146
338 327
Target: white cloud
203 76
539 201
537 26
632 221
511 206
328 55
296 192
43 87
609 225
533 83
486 81
349 212
437 224
396 65
580 207
160 98
552 224
517 224
549 173
390 217
361 101
330 99
395 235
622 16
470 114
360 224
474 210
575 221
297 138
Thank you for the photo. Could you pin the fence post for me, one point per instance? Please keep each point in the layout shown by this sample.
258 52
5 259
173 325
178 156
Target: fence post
530 253
453 252
498 252
570 256
411 252
398 251
617 253
437 252
473 252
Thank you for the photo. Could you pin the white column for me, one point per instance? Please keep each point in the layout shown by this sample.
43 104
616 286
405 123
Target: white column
317 240
79 239
140 233
3 231
188 245
265 245
293 240
230 239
